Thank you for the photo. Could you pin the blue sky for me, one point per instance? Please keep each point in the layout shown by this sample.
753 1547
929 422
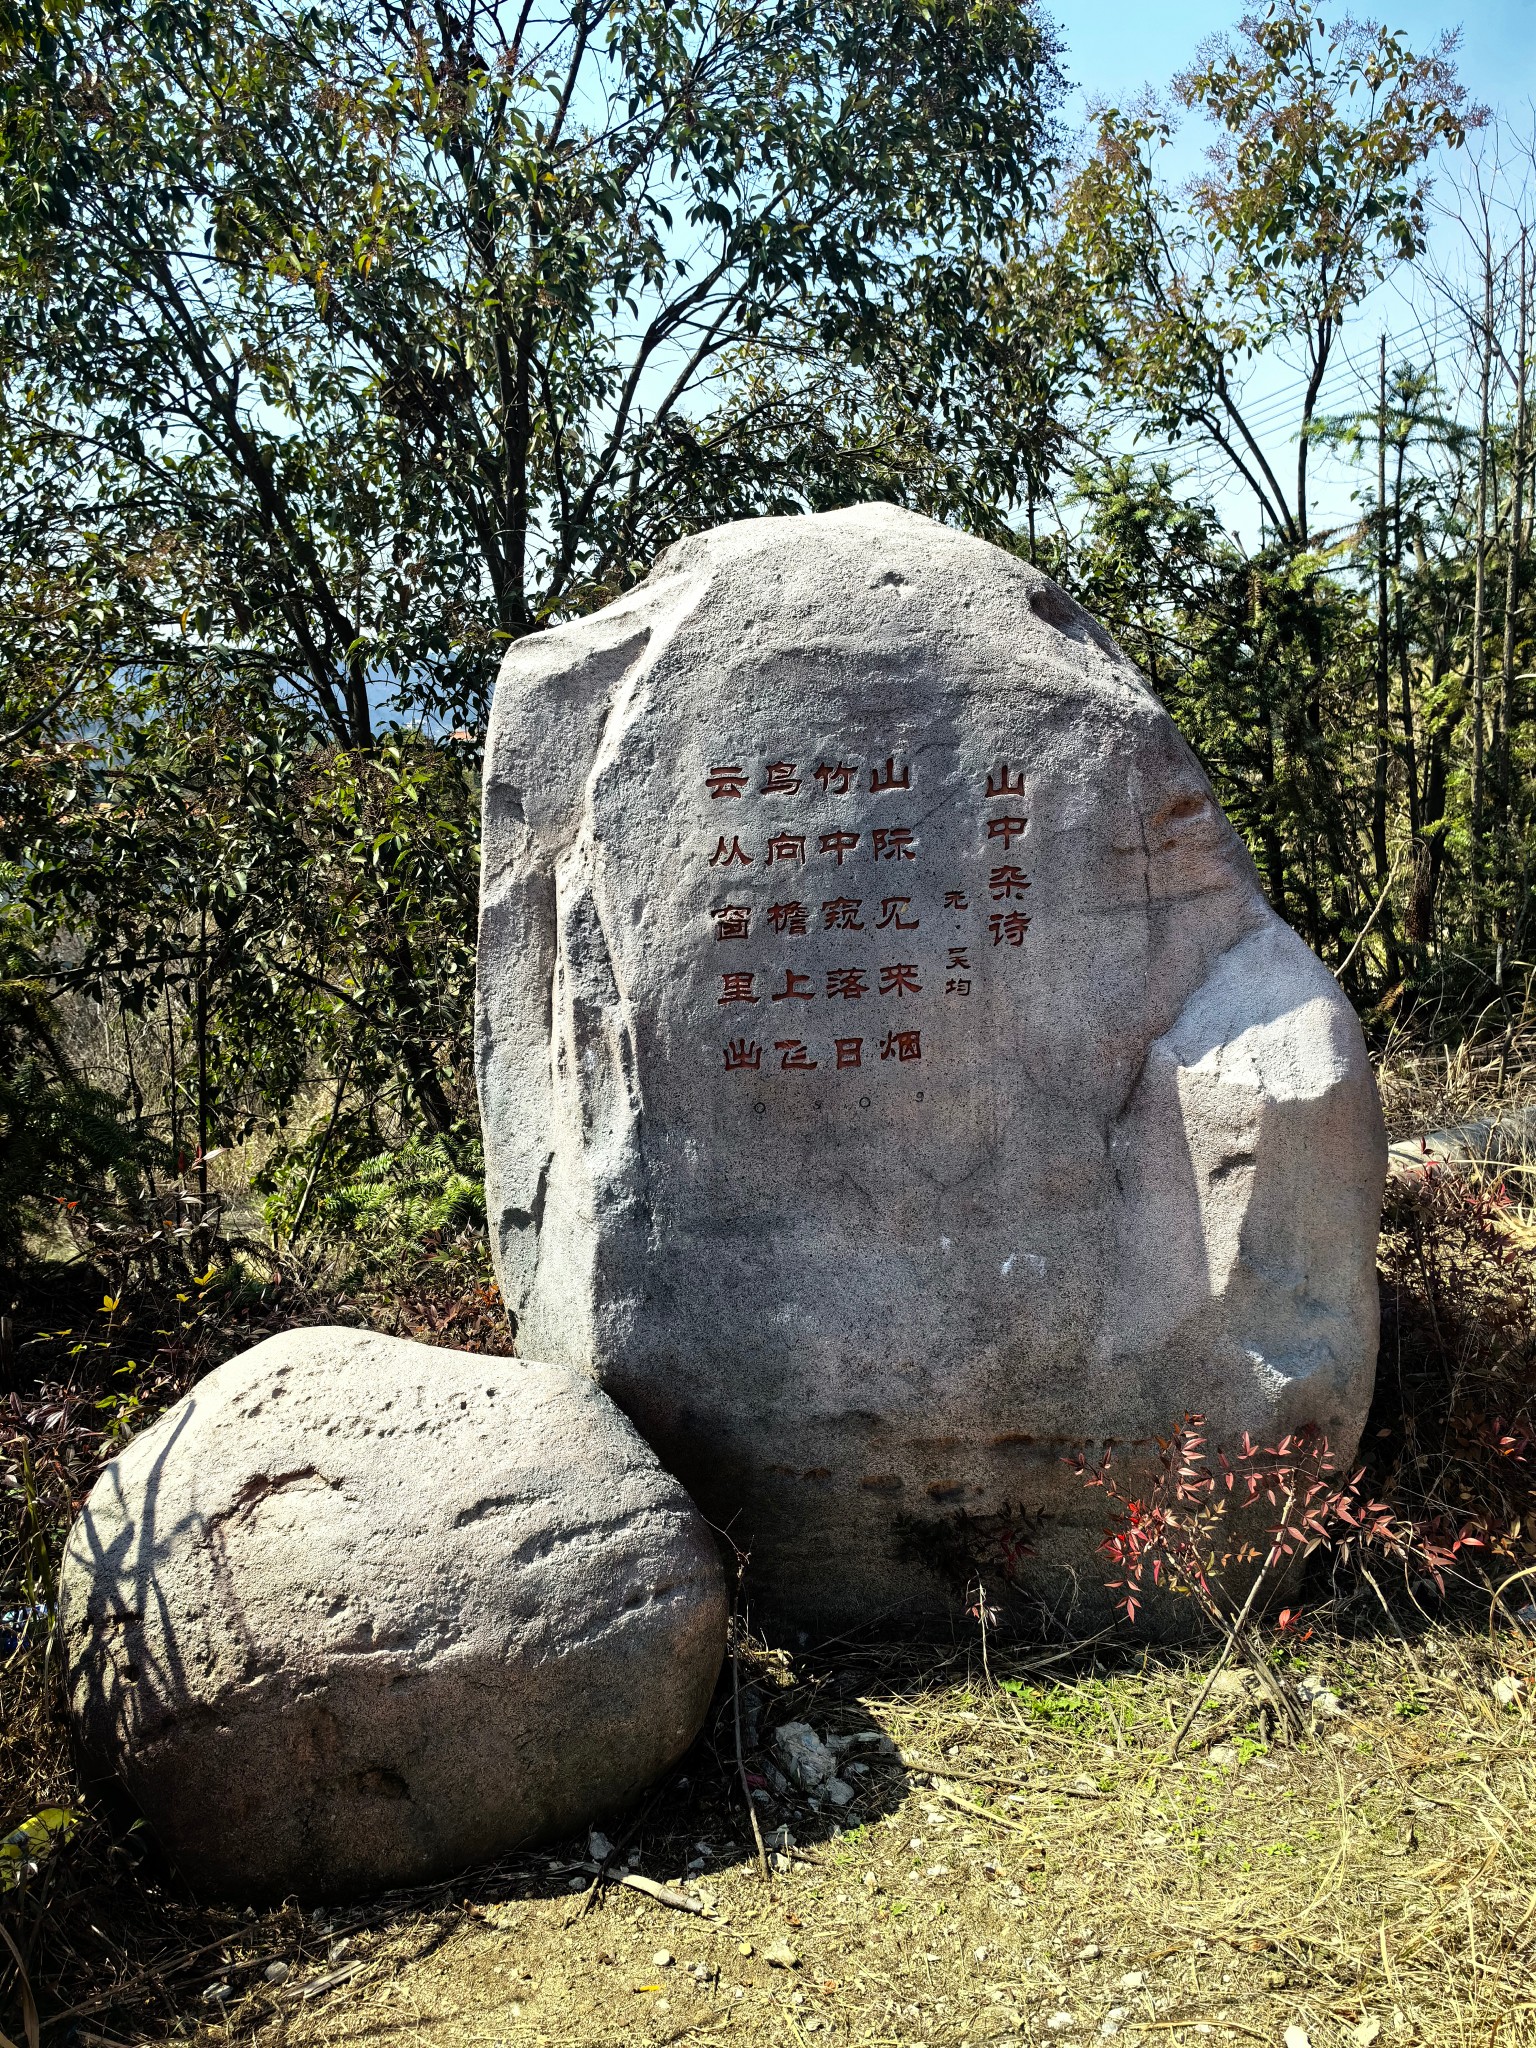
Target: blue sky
1116 46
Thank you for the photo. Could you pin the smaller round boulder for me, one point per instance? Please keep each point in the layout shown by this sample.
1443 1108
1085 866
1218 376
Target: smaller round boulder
357 1613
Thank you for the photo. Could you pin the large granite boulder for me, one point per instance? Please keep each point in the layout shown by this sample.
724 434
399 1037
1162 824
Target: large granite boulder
357 1613
892 1072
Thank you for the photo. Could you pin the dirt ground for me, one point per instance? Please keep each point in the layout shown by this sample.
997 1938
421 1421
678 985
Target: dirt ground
1025 1862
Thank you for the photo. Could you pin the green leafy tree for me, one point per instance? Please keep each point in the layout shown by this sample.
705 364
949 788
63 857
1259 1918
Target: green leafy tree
1228 638
1316 185
341 344
257 913
365 337
61 1140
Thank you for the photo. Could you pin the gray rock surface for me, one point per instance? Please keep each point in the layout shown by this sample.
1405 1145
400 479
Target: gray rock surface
358 1612
892 1072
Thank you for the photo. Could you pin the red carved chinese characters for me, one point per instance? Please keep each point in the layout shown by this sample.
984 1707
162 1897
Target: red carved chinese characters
908 984
840 843
847 982
792 987
891 908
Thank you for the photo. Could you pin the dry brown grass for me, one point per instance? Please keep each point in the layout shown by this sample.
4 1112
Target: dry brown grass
1378 1876
1428 1086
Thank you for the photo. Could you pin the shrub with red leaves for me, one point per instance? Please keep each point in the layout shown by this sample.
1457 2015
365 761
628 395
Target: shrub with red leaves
1206 1528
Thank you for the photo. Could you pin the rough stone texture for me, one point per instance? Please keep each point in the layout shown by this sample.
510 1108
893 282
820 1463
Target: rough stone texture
1116 1155
358 1612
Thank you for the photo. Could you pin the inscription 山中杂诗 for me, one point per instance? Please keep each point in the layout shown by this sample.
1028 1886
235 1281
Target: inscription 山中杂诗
892 1074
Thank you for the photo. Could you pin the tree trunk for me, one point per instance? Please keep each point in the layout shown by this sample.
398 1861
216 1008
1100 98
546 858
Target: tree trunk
1502 765
1383 680
1400 634
1383 677
1429 853
202 1054
1480 595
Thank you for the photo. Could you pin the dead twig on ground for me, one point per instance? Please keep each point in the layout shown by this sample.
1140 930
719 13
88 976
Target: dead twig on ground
926 1767
741 1762
29 2015
662 1894
997 1820
302 1993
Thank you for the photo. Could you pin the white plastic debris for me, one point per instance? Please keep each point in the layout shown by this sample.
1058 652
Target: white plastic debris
804 1755
811 1763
